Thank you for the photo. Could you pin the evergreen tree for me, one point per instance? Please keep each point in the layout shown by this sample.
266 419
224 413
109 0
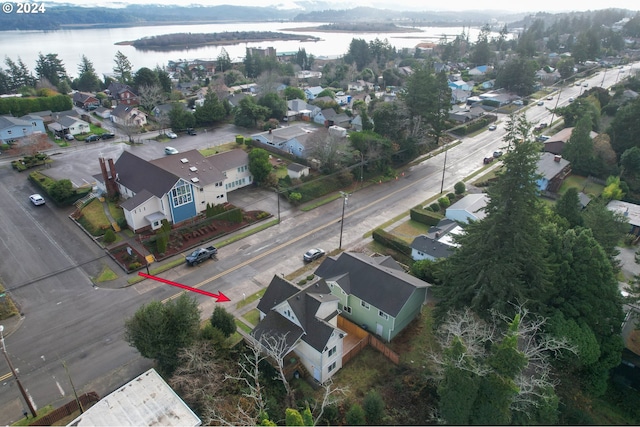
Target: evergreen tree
158 331
568 207
50 67
224 321
579 149
223 61
585 292
122 68
88 80
500 260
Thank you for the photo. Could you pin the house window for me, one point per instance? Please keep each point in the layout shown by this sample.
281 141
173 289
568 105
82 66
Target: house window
332 366
365 305
347 309
332 351
181 194
382 314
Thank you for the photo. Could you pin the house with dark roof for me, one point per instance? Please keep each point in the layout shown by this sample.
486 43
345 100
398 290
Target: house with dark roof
176 188
122 94
329 117
307 320
68 125
438 242
552 170
85 100
301 110
374 292
12 128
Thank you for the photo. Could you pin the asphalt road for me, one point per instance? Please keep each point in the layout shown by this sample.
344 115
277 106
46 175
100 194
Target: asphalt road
47 261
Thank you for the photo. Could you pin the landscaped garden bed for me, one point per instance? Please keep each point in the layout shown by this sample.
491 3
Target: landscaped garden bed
198 232
127 257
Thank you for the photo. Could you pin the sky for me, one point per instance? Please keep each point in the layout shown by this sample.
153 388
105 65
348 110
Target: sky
497 5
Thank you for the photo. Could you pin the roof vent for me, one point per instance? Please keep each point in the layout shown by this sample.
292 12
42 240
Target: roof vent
193 169
194 179
184 160
557 158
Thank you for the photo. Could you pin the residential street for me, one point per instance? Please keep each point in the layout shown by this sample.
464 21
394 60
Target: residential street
48 261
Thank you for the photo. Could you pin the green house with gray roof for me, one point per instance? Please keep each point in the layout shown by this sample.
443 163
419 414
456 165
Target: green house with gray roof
374 292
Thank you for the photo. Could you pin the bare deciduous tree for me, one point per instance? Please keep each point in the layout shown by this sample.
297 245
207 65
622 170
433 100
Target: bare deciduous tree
326 148
150 96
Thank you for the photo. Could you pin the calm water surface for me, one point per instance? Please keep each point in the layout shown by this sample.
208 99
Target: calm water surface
99 44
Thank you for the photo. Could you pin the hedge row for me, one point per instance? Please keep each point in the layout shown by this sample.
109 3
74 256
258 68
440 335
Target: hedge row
391 241
424 216
21 106
44 183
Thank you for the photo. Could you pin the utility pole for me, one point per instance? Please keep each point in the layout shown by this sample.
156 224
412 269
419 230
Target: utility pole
344 203
444 167
15 375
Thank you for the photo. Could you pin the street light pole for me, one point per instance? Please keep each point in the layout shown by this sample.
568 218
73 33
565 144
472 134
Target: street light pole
344 203
444 167
15 375
278 196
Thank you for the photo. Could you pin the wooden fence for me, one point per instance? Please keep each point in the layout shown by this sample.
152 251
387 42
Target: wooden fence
66 410
365 338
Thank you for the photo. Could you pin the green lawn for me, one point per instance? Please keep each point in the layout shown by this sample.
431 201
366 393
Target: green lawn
583 184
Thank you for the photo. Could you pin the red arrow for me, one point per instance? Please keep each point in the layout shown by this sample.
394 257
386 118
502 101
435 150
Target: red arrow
219 297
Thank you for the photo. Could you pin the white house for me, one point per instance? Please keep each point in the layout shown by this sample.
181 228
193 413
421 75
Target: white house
176 187
69 124
469 208
307 320
127 115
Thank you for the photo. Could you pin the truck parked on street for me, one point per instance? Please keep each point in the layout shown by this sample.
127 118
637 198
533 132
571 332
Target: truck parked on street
201 254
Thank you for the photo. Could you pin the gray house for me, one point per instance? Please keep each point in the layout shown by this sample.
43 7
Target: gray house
374 292
12 128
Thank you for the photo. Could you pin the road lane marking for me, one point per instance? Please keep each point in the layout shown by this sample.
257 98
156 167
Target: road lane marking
6 376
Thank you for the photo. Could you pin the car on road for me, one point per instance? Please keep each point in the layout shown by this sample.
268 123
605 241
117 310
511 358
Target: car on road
488 159
313 254
36 199
69 137
549 98
540 126
518 102
497 153
542 138
92 138
108 135
493 127
191 131
201 254
585 84
170 150
171 135
571 99
540 103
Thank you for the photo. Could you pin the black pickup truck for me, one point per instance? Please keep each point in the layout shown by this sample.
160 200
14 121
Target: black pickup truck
201 254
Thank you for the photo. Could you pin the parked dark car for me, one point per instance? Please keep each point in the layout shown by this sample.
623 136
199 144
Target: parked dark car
92 138
108 135
488 159
200 255
191 131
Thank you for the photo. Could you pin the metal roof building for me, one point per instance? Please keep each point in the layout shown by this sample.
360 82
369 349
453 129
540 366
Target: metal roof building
144 401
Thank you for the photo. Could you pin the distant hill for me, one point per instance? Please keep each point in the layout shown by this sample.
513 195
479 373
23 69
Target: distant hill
66 16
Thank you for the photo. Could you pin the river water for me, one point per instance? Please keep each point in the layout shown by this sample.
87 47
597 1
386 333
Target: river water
99 44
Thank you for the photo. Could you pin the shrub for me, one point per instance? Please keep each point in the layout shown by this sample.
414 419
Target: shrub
311 276
295 197
134 265
424 216
373 408
451 196
355 415
293 417
224 321
459 187
391 241
109 236
444 202
434 207
239 139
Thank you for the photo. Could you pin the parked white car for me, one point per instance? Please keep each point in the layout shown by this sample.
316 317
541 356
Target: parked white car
171 135
36 199
170 150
